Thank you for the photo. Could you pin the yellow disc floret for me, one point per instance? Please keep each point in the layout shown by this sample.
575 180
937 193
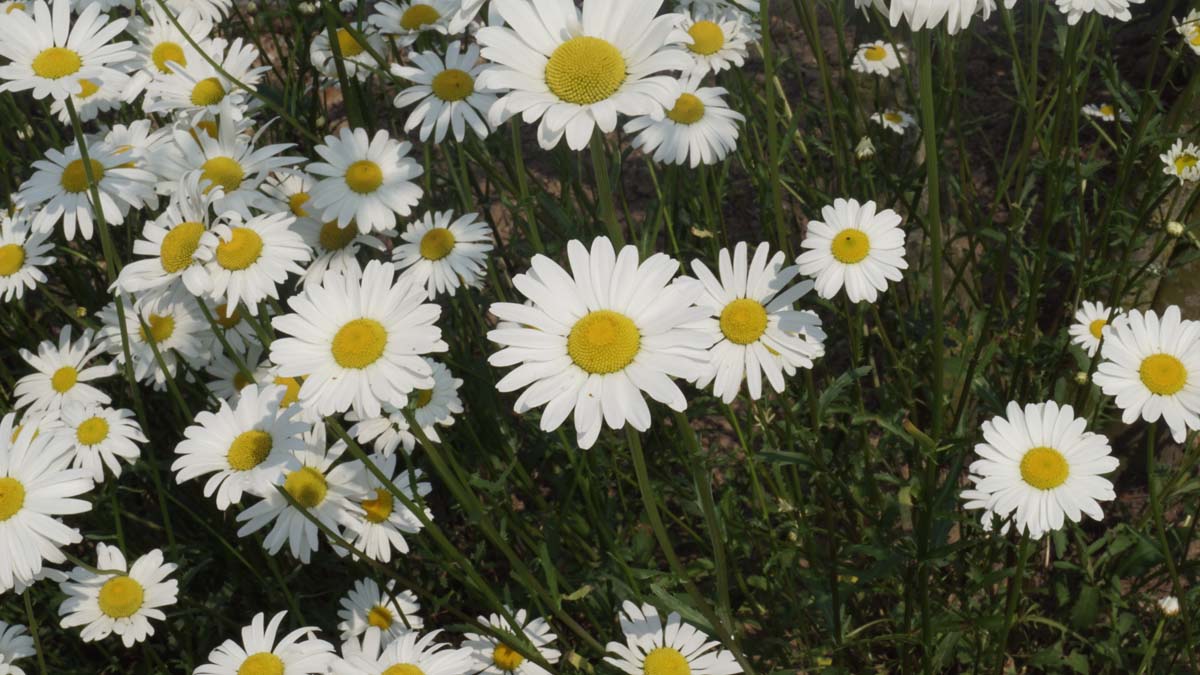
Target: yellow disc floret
743 321
604 342
74 176
93 430
418 16
380 617
851 246
380 507
403 669
64 378
707 38
437 243
12 497
208 91
1044 468
364 176
359 343
86 89
165 53
1163 374
453 84
334 238
121 597
506 658
179 245
292 391
12 257
1185 161
875 53
688 109
249 449
56 62
223 171
424 396
261 663
296 204
347 44
1096 328
161 328
242 249
307 486
666 661
585 70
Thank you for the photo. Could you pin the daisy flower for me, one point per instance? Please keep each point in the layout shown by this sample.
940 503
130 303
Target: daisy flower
233 325
368 606
699 128
377 523
411 650
173 324
717 38
98 436
1042 466
358 341
22 253
1104 111
406 20
105 603
1152 366
242 447
855 247
440 255
446 92
365 179
177 244
36 489
96 95
259 652
1090 323
896 121
229 381
357 60
1181 162
49 54
335 248
957 14
650 648
15 643
877 58
1168 605
1112 9
137 143
291 188
158 43
752 322
253 257
495 657
576 71
319 487
596 339
1189 28
60 190
196 90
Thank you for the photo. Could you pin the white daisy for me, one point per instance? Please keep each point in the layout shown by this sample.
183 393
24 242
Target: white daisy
496 657
229 381
176 328
356 59
63 373
1152 366
365 179
598 338
36 489
291 189
406 20
96 95
15 643
446 93
335 248
98 436
650 648
412 651
877 58
22 254
137 142
59 188
855 247
896 121
260 653
238 331
1168 605
699 128
377 523
52 55
1181 162
1042 466
319 487
1105 111
195 90
105 603
158 43
1189 28
358 341
1090 323
718 38
253 257
957 14
440 255
576 71
752 322
1112 9
369 606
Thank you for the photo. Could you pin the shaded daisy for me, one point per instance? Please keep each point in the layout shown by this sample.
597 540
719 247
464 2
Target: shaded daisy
393 612
377 521
494 656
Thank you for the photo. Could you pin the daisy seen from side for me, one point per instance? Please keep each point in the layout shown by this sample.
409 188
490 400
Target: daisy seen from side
877 58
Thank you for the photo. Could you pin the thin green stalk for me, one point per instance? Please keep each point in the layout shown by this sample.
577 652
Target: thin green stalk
1010 605
604 193
33 632
1156 505
702 480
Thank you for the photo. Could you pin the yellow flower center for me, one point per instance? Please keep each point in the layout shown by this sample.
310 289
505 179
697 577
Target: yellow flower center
292 393
1044 468
12 497
207 126
15 7
63 379
850 246
74 176
359 343
585 70
424 396
179 245
403 669
262 663
1195 38
688 109
168 52
223 171
418 15
453 85
349 46
437 243
380 617
604 342
334 238
208 91
56 62
875 53
1096 328
161 328
229 321
240 381
666 661
707 38
743 321
296 204
893 117
378 509
307 486
364 176
1185 162
249 449
12 256
1163 374
241 251
92 431
121 597
1107 110
506 658
86 89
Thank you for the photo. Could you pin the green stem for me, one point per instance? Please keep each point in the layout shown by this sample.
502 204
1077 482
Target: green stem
1010 605
1156 505
604 193
33 631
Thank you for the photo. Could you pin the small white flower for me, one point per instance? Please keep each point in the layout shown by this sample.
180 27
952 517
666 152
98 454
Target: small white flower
356 58
63 373
494 656
368 606
699 128
877 58
1182 162
15 643
120 598
856 247
446 93
99 436
441 253
652 648
1105 111
896 121
365 179
1091 323
1168 605
377 522
299 652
